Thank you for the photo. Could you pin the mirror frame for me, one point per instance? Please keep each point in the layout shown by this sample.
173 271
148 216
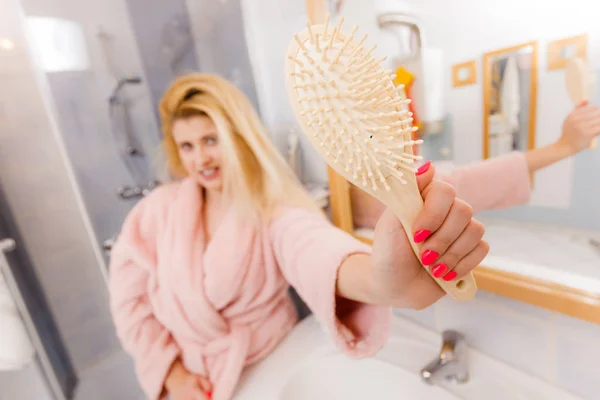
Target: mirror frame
487 78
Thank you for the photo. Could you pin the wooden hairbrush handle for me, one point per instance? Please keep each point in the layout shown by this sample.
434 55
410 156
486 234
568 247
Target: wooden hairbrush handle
406 205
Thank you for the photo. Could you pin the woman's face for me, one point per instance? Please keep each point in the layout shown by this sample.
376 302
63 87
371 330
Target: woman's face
197 142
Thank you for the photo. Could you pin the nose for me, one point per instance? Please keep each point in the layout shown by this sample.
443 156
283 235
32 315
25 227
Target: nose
202 156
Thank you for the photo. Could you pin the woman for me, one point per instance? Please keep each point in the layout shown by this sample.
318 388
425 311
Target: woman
200 273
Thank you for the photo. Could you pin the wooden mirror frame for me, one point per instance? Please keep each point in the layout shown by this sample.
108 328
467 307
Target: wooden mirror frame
487 78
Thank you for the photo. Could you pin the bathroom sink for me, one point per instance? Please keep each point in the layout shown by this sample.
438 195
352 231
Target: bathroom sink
337 377
308 365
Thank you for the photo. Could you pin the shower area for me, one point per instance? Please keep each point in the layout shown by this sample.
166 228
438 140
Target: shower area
79 147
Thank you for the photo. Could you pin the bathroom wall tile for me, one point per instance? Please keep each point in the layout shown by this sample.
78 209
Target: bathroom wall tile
424 317
509 305
514 337
92 342
118 369
576 356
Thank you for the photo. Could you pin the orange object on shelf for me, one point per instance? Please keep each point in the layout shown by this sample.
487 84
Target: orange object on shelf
406 78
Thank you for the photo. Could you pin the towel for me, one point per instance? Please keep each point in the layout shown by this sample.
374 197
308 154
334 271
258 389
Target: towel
510 102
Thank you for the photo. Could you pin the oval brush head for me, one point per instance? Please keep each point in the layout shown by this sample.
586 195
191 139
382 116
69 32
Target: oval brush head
359 121
353 111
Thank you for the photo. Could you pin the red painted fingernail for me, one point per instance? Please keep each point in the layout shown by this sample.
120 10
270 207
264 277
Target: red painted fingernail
449 276
428 257
439 270
422 235
209 395
423 168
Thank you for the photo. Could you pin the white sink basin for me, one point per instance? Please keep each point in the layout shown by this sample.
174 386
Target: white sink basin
336 377
307 365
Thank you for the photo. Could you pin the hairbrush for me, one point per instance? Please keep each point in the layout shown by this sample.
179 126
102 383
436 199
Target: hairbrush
357 119
579 82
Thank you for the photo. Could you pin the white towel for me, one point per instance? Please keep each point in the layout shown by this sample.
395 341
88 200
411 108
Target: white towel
510 101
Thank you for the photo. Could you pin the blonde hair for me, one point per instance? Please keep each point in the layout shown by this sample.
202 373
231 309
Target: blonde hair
256 176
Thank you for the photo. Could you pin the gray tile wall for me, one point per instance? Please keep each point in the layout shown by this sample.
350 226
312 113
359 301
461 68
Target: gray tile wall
220 40
164 39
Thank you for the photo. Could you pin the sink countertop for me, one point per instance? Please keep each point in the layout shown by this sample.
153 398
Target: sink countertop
546 252
283 373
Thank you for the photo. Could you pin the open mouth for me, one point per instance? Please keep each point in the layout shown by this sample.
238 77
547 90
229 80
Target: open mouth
209 173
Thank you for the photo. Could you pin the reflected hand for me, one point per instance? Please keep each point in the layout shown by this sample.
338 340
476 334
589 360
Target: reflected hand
581 126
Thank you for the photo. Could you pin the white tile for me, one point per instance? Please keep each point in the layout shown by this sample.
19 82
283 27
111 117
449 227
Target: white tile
577 356
521 339
505 304
424 317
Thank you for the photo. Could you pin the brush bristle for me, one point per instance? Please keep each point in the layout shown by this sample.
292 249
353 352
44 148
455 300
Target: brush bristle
351 106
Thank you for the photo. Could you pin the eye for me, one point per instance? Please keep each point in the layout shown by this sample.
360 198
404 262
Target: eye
185 146
210 140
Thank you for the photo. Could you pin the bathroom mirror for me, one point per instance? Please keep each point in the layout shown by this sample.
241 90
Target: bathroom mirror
509 99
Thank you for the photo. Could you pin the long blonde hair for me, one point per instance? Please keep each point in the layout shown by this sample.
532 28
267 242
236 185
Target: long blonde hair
256 176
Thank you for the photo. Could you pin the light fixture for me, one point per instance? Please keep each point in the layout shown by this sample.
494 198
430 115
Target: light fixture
6 44
59 44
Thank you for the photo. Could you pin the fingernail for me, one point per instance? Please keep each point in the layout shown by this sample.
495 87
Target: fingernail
439 270
449 276
422 235
209 395
428 257
423 168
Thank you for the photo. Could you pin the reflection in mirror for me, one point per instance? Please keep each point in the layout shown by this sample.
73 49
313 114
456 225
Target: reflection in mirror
510 82
463 73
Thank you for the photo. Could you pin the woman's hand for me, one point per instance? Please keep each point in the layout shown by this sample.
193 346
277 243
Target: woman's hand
183 385
580 127
450 243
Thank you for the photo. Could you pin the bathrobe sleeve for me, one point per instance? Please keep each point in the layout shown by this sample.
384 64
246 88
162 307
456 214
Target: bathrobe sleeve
140 333
309 251
495 183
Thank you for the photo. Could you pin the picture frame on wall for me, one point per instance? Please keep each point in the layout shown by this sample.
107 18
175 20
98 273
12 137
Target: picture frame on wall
464 73
562 50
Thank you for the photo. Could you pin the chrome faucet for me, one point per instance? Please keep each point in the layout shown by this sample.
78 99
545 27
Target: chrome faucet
129 192
451 364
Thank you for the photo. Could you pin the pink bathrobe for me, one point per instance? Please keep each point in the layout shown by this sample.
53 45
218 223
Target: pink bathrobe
226 306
